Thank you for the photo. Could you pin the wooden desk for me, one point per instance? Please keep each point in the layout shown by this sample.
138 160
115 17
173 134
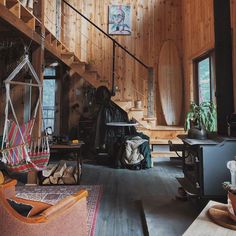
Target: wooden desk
70 148
203 226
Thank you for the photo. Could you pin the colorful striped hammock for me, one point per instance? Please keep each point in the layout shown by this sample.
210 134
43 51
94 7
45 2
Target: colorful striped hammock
24 157
19 151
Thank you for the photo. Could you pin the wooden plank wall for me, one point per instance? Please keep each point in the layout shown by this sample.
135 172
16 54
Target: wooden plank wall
153 22
50 16
233 26
198 38
8 63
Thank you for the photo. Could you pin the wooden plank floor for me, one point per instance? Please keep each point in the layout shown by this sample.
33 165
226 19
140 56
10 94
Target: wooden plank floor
121 211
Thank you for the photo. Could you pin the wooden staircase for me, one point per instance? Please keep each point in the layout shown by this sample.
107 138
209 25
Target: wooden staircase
19 14
70 59
24 21
159 135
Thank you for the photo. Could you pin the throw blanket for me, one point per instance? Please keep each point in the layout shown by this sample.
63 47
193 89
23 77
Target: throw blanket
132 155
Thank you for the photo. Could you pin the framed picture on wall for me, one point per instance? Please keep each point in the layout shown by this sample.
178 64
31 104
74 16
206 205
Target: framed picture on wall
119 20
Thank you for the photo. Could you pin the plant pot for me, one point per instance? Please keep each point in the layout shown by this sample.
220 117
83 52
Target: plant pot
197 132
138 104
232 206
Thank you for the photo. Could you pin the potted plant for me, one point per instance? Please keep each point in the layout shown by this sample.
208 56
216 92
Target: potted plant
231 199
201 119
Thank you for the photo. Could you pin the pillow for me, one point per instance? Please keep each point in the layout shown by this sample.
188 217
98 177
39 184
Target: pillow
22 209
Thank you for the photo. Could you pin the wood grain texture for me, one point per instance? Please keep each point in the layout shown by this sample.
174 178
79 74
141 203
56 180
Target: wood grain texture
50 16
198 38
220 215
204 226
153 22
170 83
124 191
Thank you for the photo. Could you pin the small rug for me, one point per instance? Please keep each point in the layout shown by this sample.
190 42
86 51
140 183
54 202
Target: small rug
53 194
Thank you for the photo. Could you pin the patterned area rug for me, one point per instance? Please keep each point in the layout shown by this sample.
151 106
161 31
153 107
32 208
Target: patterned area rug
52 194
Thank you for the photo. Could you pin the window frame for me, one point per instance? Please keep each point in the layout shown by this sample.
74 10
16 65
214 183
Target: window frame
196 61
51 77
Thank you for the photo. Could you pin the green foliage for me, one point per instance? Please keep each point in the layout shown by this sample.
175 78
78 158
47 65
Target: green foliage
202 115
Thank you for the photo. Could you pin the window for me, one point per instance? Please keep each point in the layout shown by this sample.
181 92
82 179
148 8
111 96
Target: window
204 78
49 98
49 72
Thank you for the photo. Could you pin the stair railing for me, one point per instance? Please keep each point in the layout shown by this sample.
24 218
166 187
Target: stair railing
117 44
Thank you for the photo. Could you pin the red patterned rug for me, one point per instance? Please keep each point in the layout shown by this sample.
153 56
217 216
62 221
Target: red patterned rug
52 194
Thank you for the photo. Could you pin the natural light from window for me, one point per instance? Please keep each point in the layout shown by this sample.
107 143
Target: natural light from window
49 88
204 80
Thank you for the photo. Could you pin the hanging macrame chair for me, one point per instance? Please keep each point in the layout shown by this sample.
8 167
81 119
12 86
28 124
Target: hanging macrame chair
19 151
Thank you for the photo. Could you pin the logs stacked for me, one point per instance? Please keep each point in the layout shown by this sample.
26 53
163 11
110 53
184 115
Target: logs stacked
60 173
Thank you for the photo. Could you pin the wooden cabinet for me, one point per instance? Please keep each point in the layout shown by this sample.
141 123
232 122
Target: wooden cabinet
204 165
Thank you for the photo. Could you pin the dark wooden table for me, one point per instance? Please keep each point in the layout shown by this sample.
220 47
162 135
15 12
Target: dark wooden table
75 149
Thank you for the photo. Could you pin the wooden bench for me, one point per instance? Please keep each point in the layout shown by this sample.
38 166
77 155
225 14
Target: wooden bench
168 147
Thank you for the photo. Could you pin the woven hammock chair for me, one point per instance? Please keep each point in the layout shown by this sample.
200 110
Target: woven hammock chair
19 151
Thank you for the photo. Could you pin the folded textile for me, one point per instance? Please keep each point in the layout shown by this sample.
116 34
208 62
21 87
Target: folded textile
131 154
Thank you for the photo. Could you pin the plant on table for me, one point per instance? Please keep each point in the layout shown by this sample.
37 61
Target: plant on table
203 115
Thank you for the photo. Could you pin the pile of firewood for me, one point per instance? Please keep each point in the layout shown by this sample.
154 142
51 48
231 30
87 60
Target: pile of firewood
61 173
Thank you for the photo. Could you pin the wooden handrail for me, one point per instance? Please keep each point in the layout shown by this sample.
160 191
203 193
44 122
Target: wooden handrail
107 35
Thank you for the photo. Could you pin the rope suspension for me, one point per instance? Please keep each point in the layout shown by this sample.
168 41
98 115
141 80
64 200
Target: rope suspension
19 151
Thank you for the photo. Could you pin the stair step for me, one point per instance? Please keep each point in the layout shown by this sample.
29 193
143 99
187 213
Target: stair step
162 127
162 133
166 128
14 7
91 67
156 154
149 118
67 55
64 48
124 104
92 78
165 141
78 63
79 68
76 59
104 81
27 17
11 3
136 109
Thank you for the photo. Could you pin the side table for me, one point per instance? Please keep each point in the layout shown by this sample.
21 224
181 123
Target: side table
204 226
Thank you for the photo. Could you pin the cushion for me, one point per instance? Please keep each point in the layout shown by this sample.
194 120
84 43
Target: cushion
22 209
1 177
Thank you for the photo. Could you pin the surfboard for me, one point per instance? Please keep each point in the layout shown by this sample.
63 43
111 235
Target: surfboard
170 82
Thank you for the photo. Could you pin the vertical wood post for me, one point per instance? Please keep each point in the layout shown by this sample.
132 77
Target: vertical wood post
38 63
151 101
113 92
